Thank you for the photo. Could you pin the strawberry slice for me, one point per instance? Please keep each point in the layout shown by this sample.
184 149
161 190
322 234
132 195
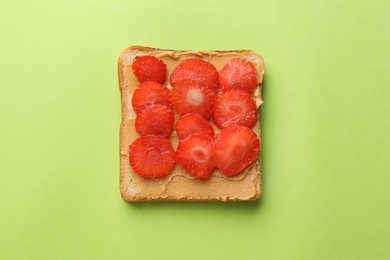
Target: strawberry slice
235 148
149 93
194 155
234 108
155 120
238 74
152 156
189 96
198 70
149 68
193 124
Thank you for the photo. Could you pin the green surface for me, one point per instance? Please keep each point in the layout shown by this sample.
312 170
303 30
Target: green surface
326 131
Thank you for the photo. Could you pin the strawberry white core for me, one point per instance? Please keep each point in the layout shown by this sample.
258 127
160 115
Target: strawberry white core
195 97
200 154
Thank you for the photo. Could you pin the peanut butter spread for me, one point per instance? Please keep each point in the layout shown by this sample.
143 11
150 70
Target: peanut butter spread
179 184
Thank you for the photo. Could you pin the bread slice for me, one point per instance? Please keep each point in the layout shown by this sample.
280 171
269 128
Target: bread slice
180 185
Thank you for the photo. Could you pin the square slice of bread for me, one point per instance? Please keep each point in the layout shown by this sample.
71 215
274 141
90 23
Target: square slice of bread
179 184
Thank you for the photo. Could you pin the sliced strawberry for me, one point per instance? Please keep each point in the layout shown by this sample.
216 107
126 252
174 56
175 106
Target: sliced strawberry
189 96
193 124
234 108
152 156
194 155
149 68
238 74
149 93
235 148
155 120
196 69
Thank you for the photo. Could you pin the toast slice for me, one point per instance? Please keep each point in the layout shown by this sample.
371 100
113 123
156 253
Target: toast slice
180 185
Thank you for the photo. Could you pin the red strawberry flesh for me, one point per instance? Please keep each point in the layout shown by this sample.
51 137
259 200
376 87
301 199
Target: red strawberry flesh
238 74
155 120
194 155
149 68
234 149
193 124
149 93
235 108
198 70
152 156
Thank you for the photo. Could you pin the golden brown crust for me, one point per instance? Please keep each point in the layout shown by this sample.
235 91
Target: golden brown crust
130 182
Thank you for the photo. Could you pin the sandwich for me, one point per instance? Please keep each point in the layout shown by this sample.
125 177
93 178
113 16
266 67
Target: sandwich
190 125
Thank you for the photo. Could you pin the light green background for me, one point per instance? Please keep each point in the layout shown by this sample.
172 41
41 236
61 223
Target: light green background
325 121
